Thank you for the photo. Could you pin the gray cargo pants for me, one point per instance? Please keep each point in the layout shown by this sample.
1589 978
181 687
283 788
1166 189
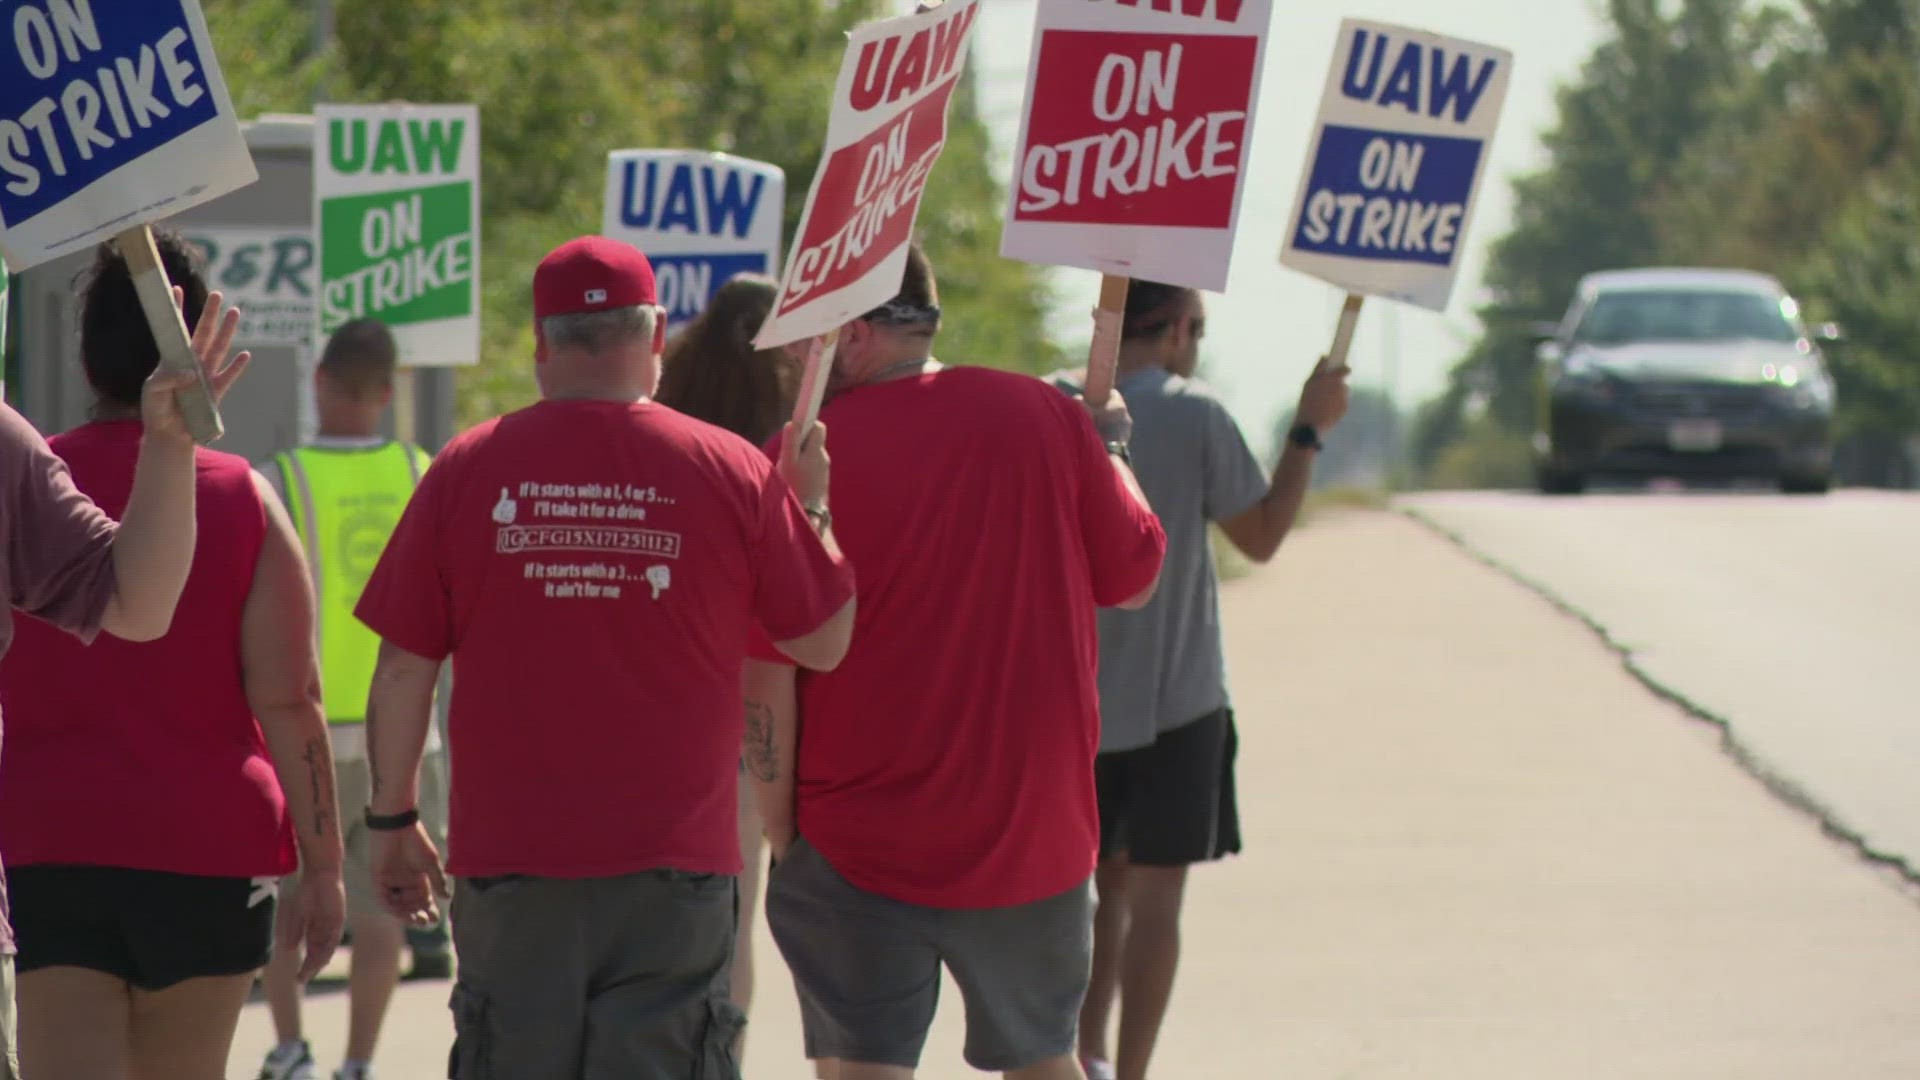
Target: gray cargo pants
621 978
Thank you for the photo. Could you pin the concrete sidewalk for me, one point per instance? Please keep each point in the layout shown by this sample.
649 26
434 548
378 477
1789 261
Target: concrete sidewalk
1477 849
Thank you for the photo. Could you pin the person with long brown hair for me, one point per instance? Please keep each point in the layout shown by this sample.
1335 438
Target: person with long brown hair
713 373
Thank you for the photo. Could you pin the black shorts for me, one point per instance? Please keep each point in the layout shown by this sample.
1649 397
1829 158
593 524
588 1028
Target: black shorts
1172 803
150 928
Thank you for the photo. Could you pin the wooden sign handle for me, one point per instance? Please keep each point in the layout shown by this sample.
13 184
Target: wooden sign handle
170 331
813 389
1343 332
1103 358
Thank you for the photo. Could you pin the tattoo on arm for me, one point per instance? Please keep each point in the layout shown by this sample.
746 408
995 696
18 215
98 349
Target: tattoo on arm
759 754
320 780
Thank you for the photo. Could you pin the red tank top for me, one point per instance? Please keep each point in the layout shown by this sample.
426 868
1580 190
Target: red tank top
146 755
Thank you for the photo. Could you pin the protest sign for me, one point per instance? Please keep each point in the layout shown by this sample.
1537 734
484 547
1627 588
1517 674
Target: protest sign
115 115
1134 147
397 221
1399 151
886 130
269 274
700 218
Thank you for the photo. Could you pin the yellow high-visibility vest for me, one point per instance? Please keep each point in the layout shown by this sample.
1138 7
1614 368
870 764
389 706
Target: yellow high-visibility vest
345 504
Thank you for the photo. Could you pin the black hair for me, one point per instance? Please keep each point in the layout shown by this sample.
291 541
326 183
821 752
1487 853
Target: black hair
117 348
916 285
360 357
1147 308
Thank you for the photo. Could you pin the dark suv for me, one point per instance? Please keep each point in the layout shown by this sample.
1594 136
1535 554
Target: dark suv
1696 374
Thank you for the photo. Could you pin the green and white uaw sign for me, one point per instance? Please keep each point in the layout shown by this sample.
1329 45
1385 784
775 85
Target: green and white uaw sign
397 219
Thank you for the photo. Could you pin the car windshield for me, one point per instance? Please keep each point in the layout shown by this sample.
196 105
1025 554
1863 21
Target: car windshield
1622 318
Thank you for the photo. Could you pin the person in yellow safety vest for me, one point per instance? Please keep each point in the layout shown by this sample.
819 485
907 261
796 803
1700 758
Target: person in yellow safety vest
346 492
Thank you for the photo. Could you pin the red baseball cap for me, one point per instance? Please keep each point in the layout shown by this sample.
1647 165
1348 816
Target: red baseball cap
591 273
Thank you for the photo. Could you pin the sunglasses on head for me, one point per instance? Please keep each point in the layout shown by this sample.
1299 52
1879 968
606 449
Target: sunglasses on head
898 312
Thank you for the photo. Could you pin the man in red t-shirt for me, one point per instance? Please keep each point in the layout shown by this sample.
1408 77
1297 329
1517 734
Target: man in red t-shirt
594 565
944 793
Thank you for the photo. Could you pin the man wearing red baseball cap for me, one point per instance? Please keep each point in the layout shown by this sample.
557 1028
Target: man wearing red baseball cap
593 565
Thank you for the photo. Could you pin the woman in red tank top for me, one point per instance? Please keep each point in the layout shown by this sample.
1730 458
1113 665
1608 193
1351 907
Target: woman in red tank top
151 795
712 372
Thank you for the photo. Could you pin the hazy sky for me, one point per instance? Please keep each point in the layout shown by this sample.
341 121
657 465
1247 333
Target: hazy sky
1265 331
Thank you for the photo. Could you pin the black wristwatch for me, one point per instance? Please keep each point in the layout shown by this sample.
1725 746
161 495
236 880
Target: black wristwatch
392 822
1119 450
821 517
1306 437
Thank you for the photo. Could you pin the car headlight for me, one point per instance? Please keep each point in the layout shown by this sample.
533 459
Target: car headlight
1587 387
1801 387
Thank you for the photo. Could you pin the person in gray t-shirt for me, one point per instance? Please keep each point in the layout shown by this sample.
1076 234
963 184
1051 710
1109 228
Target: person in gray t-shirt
1165 771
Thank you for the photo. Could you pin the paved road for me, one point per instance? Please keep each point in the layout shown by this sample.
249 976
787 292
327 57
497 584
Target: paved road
1796 620
1477 850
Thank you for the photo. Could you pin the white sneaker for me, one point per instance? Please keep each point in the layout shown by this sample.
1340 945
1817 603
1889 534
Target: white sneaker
289 1063
1097 1068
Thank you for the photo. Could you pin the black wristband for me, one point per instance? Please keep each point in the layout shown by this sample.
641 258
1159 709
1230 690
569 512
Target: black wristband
1119 450
392 822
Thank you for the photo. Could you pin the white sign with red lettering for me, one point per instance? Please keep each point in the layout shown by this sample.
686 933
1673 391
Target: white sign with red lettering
888 126
1135 144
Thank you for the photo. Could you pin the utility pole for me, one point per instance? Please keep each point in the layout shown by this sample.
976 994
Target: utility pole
322 43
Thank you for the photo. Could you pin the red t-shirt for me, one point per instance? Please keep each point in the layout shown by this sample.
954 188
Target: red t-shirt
147 754
948 761
56 552
594 568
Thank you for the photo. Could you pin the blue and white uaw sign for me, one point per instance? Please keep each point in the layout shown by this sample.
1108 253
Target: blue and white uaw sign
701 219
1399 152
113 114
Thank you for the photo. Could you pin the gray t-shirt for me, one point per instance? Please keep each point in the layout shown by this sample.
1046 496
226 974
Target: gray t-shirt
1163 666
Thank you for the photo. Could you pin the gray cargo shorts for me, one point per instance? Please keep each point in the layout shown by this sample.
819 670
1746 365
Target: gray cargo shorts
620 978
867 968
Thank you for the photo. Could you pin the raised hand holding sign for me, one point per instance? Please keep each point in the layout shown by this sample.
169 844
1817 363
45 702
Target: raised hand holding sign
115 116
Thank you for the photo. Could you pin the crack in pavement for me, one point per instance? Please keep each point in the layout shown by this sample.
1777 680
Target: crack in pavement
1781 786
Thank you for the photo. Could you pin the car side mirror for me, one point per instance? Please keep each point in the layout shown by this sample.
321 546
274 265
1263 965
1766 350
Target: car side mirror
1549 352
1829 332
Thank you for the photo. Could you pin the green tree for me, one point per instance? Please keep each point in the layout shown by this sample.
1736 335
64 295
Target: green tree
562 82
1669 76
1814 180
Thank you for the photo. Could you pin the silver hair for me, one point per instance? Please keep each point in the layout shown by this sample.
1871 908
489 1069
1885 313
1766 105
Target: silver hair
599 332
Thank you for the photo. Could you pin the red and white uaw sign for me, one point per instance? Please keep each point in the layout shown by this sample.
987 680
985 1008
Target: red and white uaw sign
1134 148
888 126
